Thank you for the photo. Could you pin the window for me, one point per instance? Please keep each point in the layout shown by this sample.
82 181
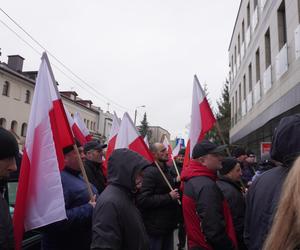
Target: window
236 101
281 19
255 4
88 123
244 87
240 95
250 77
235 55
27 98
24 129
299 11
2 123
248 15
257 62
239 44
14 126
5 90
268 48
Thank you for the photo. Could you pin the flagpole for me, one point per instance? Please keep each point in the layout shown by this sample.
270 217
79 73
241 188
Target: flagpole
84 173
165 178
175 165
221 136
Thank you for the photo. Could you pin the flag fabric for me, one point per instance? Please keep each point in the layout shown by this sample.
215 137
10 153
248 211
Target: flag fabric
129 137
146 140
177 148
40 199
168 147
82 127
75 129
202 119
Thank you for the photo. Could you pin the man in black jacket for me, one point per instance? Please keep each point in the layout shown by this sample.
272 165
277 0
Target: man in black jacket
8 151
230 184
117 223
93 164
264 193
159 205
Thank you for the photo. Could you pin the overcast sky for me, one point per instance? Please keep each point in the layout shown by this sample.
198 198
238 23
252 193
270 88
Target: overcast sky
134 52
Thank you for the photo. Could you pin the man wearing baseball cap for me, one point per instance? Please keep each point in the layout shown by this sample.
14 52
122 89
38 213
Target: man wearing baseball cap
8 151
206 213
94 164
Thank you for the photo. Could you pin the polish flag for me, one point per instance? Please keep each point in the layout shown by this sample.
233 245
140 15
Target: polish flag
75 129
129 137
146 140
81 126
40 199
168 147
202 119
177 148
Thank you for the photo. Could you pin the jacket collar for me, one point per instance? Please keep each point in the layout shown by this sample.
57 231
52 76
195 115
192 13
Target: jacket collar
197 169
231 182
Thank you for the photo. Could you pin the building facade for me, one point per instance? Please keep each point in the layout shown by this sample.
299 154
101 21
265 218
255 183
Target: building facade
158 134
16 92
264 63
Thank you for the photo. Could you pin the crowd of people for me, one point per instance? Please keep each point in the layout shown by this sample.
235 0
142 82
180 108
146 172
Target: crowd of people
216 202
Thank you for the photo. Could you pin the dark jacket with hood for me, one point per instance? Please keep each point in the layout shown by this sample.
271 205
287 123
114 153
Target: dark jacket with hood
264 193
117 223
75 232
6 228
207 217
94 172
159 210
236 201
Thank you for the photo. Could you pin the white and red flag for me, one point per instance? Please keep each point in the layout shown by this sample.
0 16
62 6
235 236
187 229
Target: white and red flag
177 148
75 129
129 137
168 147
40 199
81 126
202 119
146 140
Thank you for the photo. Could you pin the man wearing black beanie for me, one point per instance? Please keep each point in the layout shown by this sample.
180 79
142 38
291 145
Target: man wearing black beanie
230 184
8 150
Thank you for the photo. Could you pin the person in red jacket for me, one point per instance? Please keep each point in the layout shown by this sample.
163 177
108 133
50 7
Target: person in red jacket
207 217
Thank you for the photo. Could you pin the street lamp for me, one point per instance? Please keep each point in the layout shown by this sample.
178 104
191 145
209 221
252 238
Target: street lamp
135 112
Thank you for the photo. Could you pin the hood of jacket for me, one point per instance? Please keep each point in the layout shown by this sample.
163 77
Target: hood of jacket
197 169
123 166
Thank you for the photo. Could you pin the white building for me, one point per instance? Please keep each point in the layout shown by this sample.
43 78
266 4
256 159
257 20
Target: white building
264 72
16 91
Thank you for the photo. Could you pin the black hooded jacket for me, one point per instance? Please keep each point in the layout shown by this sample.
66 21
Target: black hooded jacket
117 223
95 174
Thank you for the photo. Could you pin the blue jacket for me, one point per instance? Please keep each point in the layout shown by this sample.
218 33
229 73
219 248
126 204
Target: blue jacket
75 232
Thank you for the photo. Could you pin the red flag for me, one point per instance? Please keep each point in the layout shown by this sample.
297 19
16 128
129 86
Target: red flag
40 199
202 119
81 126
75 129
128 137
111 141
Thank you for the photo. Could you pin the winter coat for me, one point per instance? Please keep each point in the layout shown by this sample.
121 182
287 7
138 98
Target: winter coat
75 232
117 223
248 171
158 209
95 174
261 202
207 217
6 228
236 201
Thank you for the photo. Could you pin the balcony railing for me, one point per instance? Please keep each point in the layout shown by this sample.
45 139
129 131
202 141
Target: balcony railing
281 62
254 19
257 92
267 84
297 41
248 36
249 101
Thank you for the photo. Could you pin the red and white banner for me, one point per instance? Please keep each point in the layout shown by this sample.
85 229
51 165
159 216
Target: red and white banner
81 125
177 148
75 129
202 119
146 140
129 137
40 199
168 147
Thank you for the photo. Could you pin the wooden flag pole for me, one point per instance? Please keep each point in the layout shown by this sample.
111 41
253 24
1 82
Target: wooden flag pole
84 173
165 178
221 136
175 165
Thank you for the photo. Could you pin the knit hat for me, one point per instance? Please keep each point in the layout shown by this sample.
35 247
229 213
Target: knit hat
286 144
8 144
227 165
206 147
